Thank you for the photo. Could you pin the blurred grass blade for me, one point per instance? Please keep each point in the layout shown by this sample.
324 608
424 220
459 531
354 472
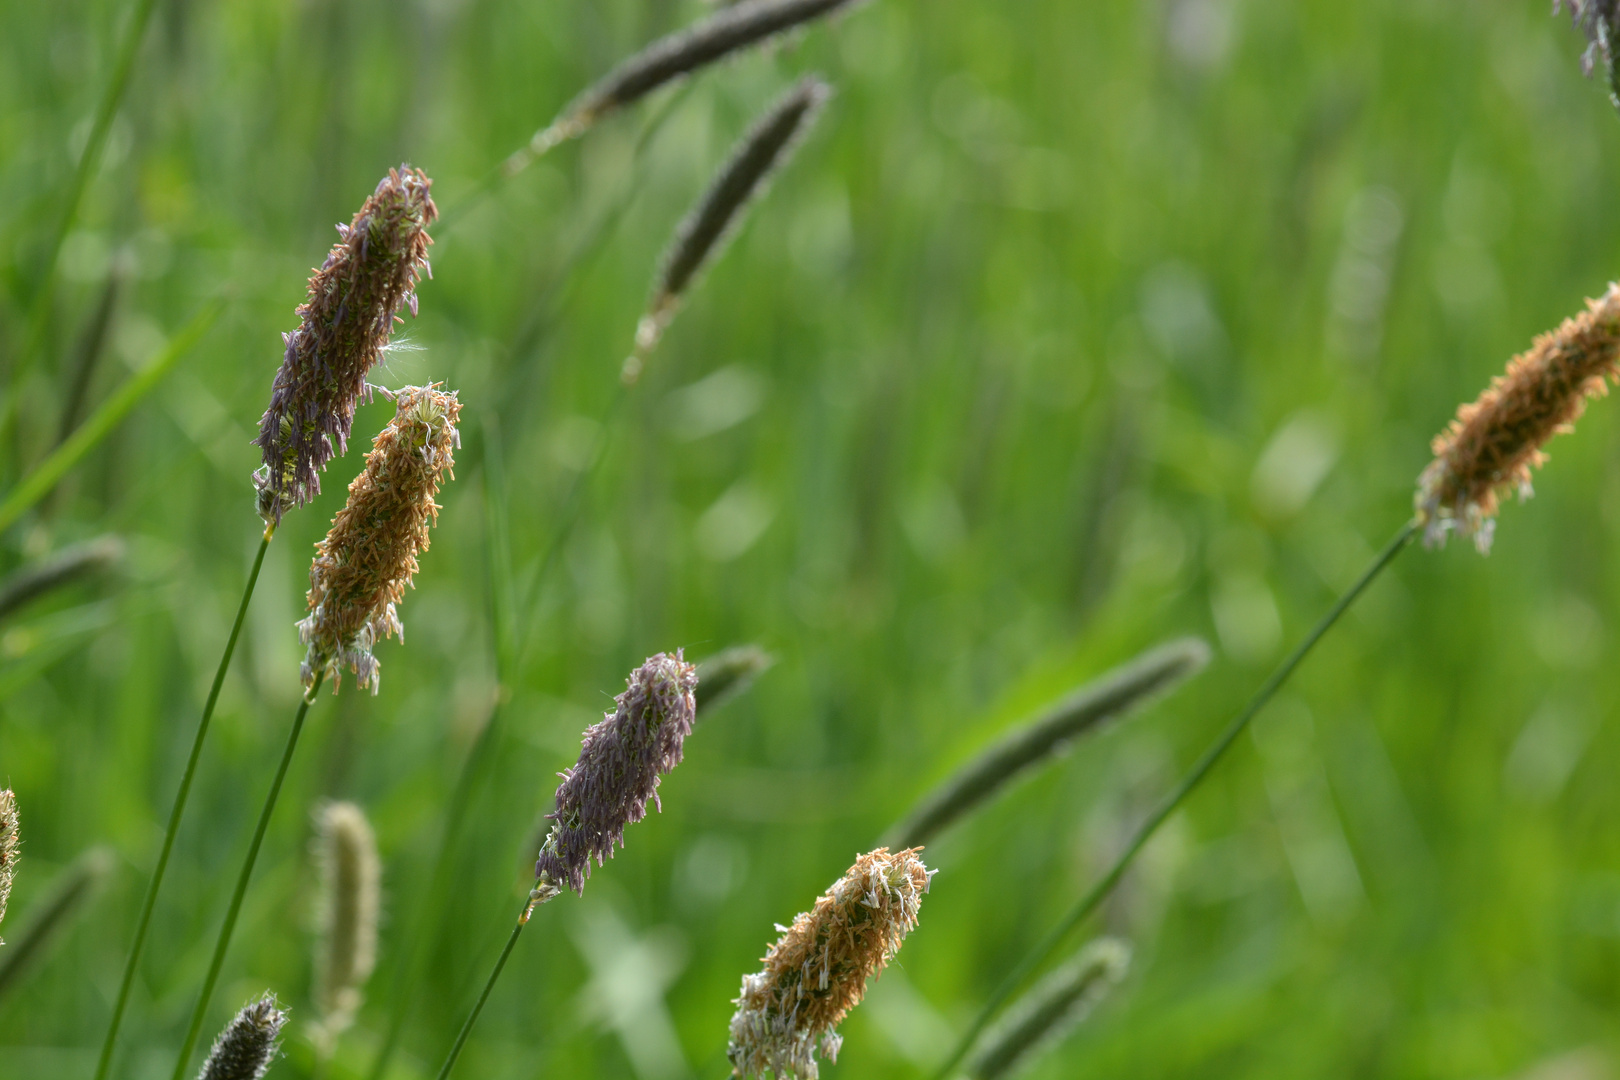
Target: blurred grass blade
111 99
52 913
92 343
63 568
1051 1010
1128 686
728 673
38 484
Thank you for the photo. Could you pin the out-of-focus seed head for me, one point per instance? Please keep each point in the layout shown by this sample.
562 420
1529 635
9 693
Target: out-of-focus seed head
1494 442
354 300
368 557
346 858
817 971
618 771
247 1046
1049 1011
8 847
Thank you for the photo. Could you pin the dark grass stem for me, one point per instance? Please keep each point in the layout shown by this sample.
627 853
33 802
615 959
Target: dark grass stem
243 878
111 99
483 995
145 921
1044 949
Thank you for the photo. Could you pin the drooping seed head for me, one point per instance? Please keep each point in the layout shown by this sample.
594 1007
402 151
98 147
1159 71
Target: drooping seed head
817 971
8 847
368 557
736 27
346 858
1599 20
1494 442
1052 1009
704 231
618 771
354 300
247 1046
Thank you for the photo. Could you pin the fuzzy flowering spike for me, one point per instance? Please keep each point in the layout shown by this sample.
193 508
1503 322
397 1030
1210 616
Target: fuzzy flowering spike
346 857
1599 20
362 567
1495 441
354 300
247 1046
8 847
817 971
618 772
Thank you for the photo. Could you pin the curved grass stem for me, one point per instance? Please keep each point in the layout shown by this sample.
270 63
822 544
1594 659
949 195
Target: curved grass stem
242 879
145 921
1088 903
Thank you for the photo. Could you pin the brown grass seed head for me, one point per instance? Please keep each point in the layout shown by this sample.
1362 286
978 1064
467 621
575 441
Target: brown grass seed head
368 557
817 971
8 847
354 300
1495 441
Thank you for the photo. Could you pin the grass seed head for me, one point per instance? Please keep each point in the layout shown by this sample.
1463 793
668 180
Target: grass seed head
704 231
8 847
368 557
354 300
247 1046
1494 442
738 26
618 771
1599 20
1052 1009
817 971
346 858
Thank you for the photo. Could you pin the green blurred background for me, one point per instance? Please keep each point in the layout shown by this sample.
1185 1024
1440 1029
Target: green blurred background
1073 327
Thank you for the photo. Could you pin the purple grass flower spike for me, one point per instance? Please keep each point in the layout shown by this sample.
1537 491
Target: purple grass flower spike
354 301
618 771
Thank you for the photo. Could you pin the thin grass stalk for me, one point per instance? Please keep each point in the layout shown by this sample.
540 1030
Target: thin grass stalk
1128 686
483 995
222 944
49 472
1044 949
673 57
175 814
91 347
111 99
53 914
64 568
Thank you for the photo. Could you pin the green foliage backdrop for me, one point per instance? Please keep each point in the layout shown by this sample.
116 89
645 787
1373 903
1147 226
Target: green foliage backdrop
1074 327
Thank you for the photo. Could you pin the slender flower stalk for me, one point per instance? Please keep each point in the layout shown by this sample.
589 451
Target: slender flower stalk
620 764
817 971
368 558
354 300
222 943
247 1047
9 823
1052 1009
1494 442
738 27
53 913
346 858
1120 690
766 146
